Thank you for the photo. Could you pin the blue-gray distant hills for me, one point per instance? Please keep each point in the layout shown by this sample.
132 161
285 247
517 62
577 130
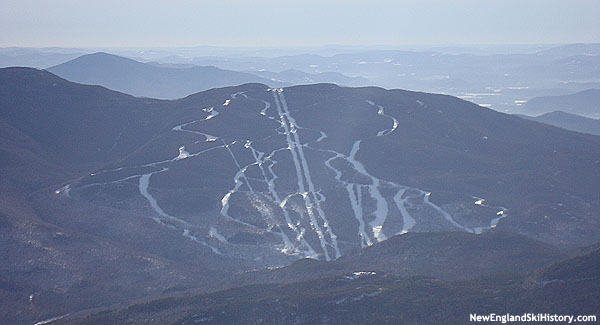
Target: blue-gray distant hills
298 77
584 103
568 121
37 58
146 80
172 82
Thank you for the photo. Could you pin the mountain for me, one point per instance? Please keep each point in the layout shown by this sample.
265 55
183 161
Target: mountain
368 297
147 80
109 198
446 256
585 103
579 268
79 124
51 132
568 121
418 162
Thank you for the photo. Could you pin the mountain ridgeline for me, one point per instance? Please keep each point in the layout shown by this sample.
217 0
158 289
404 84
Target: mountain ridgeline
177 81
146 80
371 297
585 103
568 121
191 193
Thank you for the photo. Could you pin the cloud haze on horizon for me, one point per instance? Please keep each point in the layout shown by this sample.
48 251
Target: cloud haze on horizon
296 23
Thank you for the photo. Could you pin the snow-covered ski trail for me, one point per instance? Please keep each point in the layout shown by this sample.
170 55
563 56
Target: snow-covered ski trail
295 214
303 174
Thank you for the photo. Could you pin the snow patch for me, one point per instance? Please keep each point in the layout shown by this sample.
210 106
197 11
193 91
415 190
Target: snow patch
182 153
359 274
213 233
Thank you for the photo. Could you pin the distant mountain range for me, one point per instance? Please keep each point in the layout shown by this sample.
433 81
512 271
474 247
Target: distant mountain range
568 121
503 78
503 81
37 58
585 103
177 81
145 80
297 77
109 198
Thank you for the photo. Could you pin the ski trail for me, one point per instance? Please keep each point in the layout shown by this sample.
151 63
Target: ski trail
152 164
51 320
321 137
355 201
444 213
186 233
303 174
211 111
381 210
381 111
111 182
182 155
144 183
241 171
263 112
143 187
260 160
290 143
239 93
291 147
311 187
338 174
208 137
65 190
214 233
355 197
366 197
310 252
144 179
225 199
408 222
382 206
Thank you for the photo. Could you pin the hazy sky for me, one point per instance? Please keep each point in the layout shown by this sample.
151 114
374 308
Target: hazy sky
87 23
